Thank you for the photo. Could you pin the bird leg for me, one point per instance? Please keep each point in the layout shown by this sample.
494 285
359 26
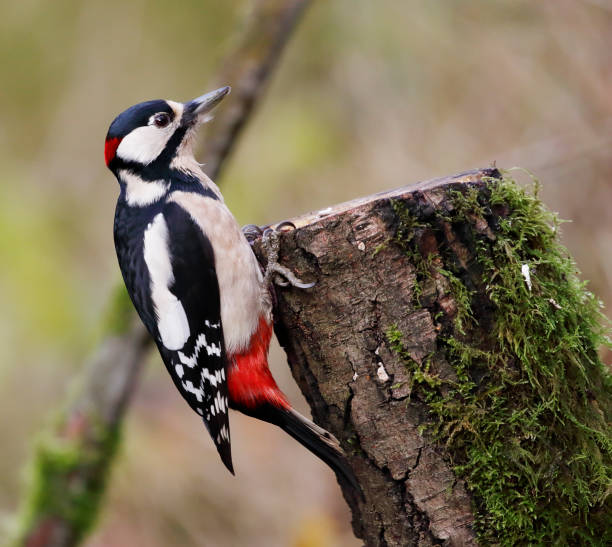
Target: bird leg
275 272
252 232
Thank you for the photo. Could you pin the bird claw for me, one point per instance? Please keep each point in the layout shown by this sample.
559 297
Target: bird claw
252 232
282 226
275 272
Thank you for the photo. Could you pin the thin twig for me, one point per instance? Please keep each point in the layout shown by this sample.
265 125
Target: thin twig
272 23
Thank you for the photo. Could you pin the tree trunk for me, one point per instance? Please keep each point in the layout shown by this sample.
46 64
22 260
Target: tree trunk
407 349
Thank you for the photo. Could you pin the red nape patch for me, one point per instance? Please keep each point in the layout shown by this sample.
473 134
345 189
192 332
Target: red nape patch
249 380
110 149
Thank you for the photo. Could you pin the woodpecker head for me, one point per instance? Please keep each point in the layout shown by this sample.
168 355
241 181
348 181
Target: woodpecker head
148 137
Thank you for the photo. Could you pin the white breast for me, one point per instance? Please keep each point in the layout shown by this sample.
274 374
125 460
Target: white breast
244 299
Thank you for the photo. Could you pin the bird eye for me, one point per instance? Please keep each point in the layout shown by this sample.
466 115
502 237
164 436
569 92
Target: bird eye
161 120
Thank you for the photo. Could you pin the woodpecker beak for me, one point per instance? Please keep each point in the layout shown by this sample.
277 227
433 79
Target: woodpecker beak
196 111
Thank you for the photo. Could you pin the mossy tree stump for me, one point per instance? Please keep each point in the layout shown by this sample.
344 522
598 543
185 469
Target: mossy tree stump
451 348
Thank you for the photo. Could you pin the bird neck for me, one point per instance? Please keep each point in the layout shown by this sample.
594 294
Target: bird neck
141 188
140 192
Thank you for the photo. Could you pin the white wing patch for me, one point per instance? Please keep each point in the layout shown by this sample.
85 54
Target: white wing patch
172 321
172 324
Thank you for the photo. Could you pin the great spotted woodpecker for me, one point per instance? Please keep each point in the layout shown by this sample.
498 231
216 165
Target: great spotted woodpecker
193 278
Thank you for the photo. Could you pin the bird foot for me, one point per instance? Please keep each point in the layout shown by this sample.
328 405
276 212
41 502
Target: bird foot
275 272
252 232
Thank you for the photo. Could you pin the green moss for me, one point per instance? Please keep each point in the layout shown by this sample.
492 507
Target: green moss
462 297
526 421
407 224
420 374
67 478
68 472
379 247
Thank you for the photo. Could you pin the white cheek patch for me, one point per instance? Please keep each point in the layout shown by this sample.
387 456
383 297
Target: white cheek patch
145 144
172 321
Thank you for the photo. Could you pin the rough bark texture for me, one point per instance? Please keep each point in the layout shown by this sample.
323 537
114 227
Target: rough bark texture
335 339
448 339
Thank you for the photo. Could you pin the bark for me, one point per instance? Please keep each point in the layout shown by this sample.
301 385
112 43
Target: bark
72 460
448 336
335 339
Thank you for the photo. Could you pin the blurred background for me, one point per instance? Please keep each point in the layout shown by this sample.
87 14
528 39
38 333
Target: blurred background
370 95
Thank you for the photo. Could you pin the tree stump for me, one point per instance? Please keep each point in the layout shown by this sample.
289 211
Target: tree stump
443 347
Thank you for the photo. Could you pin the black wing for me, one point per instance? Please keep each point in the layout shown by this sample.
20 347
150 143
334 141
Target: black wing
198 369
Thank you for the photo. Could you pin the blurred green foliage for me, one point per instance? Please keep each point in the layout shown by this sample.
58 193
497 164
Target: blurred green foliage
31 245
